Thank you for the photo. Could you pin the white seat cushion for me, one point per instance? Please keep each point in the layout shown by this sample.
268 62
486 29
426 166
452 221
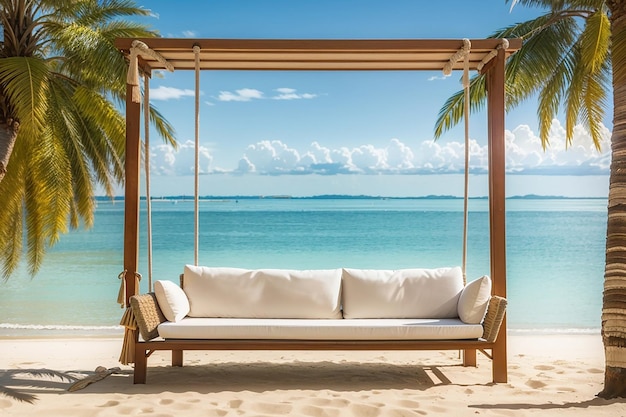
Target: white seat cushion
263 293
474 300
172 300
403 293
340 329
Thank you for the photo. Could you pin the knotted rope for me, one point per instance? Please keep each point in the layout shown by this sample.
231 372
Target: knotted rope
138 48
503 45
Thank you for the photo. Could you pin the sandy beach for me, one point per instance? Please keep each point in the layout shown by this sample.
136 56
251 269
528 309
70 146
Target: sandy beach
547 375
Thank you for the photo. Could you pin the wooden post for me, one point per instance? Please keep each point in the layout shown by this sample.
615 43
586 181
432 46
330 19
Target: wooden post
469 357
177 357
141 365
497 196
131 195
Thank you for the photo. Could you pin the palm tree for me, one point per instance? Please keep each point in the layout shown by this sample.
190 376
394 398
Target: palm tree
571 57
62 83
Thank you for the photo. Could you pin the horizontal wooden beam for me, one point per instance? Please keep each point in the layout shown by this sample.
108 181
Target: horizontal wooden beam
314 54
193 344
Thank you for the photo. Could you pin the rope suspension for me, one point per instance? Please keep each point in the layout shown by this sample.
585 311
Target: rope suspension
138 48
464 53
146 155
196 51
466 112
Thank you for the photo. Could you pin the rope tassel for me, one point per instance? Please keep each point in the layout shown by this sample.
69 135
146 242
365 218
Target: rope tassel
129 322
138 48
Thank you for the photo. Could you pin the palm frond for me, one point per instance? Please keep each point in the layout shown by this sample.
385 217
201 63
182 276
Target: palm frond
453 110
163 127
12 214
594 104
25 82
595 41
57 186
574 93
72 135
526 70
553 92
94 13
557 5
66 122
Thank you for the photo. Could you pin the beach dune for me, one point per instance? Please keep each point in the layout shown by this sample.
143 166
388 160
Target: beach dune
547 375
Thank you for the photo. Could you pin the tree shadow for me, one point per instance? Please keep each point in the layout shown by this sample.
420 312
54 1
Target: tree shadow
595 402
23 384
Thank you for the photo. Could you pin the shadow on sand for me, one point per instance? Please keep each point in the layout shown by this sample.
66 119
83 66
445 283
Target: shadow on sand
25 384
595 402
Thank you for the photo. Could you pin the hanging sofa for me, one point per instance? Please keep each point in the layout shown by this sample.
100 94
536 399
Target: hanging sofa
334 309
487 56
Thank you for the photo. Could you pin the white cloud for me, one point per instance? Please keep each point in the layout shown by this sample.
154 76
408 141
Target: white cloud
169 93
164 160
399 156
248 94
243 94
285 93
245 166
271 157
438 78
367 158
319 153
189 34
524 155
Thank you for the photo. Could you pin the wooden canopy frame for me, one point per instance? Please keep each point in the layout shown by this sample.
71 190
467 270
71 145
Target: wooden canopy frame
331 55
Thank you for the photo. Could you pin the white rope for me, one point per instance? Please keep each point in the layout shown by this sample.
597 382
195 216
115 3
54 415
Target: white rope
464 53
503 45
466 112
132 77
196 51
460 54
146 155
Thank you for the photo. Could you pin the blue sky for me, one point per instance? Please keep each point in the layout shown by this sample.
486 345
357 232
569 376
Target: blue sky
308 133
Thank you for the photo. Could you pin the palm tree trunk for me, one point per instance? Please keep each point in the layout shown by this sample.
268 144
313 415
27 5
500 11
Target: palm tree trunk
8 136
614 300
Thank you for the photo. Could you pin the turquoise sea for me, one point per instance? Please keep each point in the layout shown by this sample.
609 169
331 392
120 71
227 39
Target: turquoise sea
555 254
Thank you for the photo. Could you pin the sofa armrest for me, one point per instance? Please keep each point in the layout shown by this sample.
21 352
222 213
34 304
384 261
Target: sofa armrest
494 318
147 314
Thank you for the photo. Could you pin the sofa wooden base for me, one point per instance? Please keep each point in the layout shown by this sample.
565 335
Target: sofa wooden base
144 349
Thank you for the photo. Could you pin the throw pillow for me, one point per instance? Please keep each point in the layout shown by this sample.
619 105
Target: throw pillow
172 300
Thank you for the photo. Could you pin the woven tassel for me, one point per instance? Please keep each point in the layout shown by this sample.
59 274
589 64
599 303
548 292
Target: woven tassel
132 78
130 335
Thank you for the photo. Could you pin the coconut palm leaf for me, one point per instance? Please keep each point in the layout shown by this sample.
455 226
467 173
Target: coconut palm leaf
62 83
595 40
556 55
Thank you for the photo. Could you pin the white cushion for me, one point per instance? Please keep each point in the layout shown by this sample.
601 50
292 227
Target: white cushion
172 300
320 329
474 300
263 293
404 293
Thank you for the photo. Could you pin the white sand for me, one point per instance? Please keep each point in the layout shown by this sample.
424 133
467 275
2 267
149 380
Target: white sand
548 376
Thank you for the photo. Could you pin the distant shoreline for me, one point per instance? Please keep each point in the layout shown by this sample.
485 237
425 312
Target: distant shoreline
345 197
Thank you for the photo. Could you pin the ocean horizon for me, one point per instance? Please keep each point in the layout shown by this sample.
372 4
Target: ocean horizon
555 253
